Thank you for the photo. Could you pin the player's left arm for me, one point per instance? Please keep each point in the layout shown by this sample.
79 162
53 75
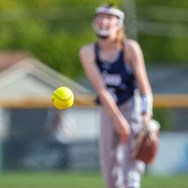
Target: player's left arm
136 59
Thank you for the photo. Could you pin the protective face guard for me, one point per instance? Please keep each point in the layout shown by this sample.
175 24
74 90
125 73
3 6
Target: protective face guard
111 11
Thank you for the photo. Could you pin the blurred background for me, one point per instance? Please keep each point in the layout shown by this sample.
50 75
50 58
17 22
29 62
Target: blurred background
39 44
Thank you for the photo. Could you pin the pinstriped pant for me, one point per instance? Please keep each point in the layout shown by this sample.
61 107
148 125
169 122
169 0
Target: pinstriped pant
118 169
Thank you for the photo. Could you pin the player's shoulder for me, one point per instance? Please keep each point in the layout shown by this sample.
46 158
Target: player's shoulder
86 53
86 49
131 44
132 47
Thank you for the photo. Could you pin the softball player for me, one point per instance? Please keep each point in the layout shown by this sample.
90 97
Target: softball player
115 66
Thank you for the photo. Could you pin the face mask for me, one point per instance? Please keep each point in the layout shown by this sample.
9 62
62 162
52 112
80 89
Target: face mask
105 32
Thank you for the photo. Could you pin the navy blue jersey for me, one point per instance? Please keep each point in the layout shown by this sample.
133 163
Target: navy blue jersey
117 76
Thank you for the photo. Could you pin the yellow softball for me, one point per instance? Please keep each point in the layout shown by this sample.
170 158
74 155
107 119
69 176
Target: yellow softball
63 98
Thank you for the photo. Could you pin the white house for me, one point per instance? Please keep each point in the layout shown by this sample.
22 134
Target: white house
27 116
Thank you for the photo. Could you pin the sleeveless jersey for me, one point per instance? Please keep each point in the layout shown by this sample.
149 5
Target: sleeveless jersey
118 78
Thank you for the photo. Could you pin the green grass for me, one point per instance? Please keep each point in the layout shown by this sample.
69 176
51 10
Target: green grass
51 180
80 180
178 181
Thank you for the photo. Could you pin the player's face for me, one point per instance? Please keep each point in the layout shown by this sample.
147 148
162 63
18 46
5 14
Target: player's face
106 24
106 21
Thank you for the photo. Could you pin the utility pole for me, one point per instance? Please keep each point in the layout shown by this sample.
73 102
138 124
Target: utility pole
129 7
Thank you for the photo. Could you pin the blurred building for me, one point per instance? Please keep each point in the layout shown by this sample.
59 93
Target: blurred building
42 137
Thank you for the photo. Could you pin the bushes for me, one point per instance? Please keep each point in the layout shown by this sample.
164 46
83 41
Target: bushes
53 31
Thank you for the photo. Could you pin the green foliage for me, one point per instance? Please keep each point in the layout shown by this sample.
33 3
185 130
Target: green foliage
54 30
167 3
164 50
166 39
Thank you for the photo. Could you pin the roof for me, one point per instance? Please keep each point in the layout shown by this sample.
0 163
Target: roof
23 75
8 59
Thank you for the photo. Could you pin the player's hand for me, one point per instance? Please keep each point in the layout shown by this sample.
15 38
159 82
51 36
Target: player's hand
122 129
146 119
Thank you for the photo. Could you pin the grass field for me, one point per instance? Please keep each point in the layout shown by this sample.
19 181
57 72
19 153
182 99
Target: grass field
80 180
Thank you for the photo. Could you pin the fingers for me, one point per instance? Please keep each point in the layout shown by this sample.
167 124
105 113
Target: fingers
123 139
146 119
123 133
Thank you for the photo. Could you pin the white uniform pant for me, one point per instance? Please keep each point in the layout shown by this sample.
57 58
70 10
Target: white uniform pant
118 168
